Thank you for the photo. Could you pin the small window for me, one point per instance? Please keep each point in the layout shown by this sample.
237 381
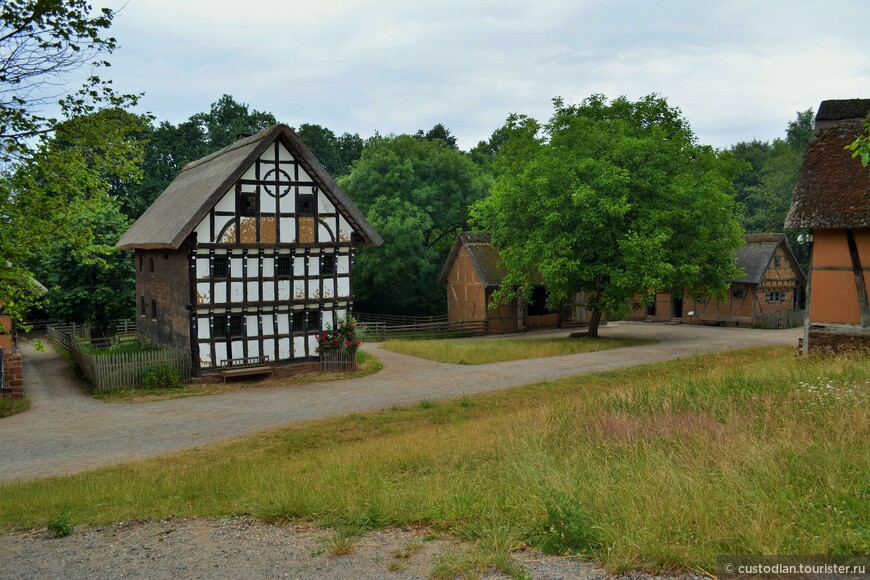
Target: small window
773 297
298 321
776 262
220 326
236 325
153 310
142 306
151 264
284 266
313 320
304 204
141 262
327 264
737 294
249 203
221 267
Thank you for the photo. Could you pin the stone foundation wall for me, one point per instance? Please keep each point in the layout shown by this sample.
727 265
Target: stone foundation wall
821 341
13 376
278 372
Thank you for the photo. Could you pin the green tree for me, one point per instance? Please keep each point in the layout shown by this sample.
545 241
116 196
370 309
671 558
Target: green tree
227 119
764 187
94 284
860 147
416 193
336 154
169 147
46 200
41 42
614 198
439 133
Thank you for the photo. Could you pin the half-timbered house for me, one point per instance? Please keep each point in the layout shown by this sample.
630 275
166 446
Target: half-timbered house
770 293
473 271
832 199
247 254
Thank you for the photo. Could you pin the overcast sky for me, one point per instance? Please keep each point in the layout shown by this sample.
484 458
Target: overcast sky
738 70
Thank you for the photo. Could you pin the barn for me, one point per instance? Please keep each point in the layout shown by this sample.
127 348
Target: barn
832 199
473 271
769 294
247 254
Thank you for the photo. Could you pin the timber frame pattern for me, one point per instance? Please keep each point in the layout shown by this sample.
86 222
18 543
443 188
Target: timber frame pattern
268 254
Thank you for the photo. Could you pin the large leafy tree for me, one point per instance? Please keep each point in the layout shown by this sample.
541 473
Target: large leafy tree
169 147
764 187
416 193
47 199
614 198
335 153
41 42
45 181
94 285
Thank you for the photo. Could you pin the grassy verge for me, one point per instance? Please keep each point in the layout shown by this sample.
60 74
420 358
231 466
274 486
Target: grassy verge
9 407
479 351
659 467
368 365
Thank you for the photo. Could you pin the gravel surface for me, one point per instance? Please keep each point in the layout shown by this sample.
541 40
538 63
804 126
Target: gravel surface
244 548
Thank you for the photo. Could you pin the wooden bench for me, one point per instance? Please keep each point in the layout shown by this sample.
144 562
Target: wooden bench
241 367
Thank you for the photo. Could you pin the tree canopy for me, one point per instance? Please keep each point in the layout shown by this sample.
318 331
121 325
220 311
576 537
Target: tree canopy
614 198
416 193
42 41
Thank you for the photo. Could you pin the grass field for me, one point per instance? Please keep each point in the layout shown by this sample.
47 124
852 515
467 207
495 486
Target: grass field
368 365
479 351
660 467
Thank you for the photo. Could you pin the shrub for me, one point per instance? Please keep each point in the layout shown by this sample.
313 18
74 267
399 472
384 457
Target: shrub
60 526
348 335
161 377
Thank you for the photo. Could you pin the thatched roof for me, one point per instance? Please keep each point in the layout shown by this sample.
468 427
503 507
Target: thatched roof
202 183
755 256
484 257
833 189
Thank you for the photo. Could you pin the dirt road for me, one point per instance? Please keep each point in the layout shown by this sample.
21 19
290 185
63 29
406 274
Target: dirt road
66 431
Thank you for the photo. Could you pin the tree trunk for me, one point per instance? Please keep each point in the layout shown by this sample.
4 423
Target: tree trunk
594 321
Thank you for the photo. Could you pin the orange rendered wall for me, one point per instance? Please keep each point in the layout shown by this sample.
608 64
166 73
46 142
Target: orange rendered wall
834 298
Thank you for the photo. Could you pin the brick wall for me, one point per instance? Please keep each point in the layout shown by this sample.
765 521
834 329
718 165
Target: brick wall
168 286
13 376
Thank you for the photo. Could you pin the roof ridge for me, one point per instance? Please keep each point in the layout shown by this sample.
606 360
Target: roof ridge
232 147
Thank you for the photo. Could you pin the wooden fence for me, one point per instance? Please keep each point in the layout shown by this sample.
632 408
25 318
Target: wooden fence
378 331
338 361
397 320
115 370
784 319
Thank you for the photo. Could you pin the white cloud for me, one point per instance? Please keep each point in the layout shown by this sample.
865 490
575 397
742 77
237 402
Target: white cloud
738 70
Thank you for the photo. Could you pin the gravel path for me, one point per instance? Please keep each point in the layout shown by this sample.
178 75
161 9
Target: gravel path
66 431
244 548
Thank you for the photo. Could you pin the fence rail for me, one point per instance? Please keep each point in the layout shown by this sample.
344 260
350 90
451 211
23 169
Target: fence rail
115 370
397 320
380 331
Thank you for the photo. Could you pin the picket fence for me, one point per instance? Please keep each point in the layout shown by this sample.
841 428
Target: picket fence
109 370
338 361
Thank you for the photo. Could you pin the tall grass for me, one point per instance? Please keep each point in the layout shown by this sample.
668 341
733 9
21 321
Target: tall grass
659 467
479 351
